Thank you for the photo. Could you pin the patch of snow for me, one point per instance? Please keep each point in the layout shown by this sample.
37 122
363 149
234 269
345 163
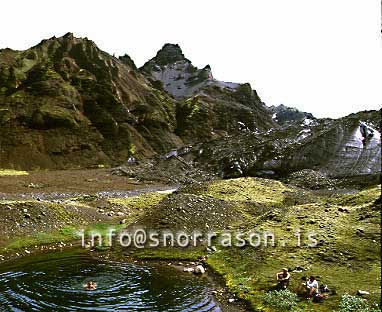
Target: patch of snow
169 191
242 126
175 77
309 122
172 153
374 140
303 134
356 140
229 85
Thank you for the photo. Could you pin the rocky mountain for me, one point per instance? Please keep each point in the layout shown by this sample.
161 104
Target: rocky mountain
66 103
207 108
178 76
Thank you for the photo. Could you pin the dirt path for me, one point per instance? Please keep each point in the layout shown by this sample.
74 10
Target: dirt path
70 183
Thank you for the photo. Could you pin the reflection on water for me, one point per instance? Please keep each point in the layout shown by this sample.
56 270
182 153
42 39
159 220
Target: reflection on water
54 282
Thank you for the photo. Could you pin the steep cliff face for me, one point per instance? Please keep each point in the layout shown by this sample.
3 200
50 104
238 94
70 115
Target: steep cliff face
64 103
336 148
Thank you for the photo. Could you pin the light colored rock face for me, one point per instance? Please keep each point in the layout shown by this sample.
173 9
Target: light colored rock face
354 155
206 108
332 148
338 149
181 79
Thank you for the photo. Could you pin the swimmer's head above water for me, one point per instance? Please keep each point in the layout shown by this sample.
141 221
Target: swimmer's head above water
90 285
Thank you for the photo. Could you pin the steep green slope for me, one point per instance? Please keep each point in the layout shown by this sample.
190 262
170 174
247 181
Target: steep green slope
64 103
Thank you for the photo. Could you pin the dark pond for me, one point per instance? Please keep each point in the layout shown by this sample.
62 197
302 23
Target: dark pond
55 282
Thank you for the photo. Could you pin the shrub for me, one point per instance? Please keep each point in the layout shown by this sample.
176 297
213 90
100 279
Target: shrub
282 300
356 304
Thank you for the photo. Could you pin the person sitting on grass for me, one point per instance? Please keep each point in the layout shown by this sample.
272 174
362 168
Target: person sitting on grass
312 287
283 278
301 290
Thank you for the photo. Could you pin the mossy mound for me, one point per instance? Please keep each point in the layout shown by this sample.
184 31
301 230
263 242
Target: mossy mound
364 197
190 212
346 257
10 172
140 201
263 191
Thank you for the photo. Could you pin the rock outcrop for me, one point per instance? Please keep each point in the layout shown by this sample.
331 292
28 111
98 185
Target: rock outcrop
283 114
207 108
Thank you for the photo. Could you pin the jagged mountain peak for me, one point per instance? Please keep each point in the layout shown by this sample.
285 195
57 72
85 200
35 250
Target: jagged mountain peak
178 76
67 40
170 53
127 60
68 35
67 55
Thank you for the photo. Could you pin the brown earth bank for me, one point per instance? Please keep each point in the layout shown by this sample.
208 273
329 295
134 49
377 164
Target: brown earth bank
81 181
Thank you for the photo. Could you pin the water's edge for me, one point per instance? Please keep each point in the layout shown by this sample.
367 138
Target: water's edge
213 280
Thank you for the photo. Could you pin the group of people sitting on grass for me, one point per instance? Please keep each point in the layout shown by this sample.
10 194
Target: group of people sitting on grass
308 287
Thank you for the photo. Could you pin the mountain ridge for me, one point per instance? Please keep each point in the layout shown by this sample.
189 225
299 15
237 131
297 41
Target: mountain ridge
65 102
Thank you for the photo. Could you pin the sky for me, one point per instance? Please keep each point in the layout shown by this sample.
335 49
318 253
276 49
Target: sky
320 56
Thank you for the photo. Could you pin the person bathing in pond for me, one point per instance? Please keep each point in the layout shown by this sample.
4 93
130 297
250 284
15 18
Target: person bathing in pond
90 285
283 278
